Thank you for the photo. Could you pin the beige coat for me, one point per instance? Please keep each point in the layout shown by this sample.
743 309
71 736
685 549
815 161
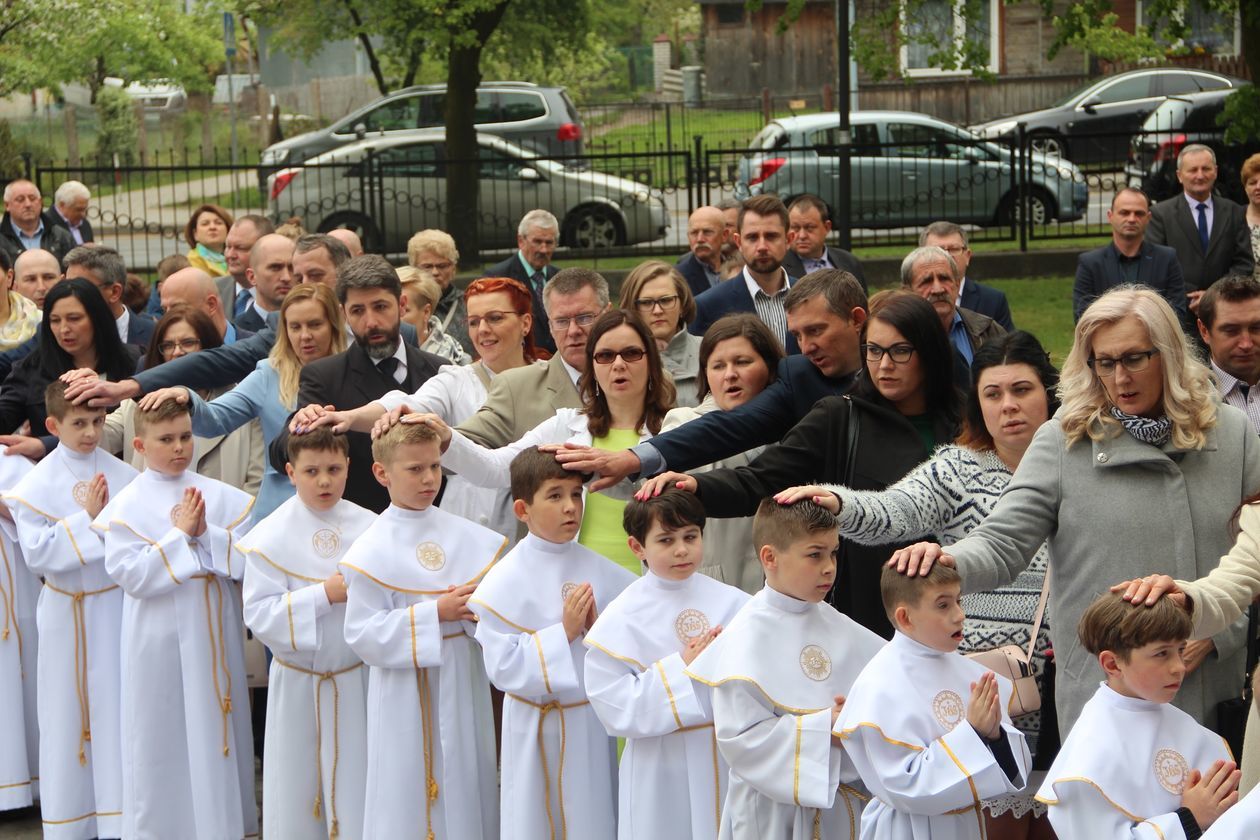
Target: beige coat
520 399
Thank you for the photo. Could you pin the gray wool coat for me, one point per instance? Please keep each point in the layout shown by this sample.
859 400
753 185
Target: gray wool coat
1112 510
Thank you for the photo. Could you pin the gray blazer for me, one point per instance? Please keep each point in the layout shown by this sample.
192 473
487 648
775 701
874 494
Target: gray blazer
1114 510
518 400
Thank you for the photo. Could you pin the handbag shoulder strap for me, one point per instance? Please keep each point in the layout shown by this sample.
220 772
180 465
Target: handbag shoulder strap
1038 616
850 442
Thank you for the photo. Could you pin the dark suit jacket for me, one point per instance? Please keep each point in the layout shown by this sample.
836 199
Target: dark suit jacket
52 217
764 419
512 267
56 240
250 319
349 380
227 295
140 331
1229 242
692 271
987 301
1157 268
838 257
723 299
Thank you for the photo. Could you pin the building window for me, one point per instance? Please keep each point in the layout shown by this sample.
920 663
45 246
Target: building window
1210 31
730 14
936 24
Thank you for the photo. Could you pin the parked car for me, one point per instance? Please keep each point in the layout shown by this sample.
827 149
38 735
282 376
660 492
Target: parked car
907 170
1090 126
1177 122
387 188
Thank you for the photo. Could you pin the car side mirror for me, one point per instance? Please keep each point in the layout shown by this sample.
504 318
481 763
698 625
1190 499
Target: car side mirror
360 131
972 154
529 173
1090 105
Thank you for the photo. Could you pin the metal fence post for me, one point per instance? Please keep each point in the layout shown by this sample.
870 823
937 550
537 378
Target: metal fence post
1021 215
701 176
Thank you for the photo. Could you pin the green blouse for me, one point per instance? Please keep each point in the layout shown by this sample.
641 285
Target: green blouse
601 520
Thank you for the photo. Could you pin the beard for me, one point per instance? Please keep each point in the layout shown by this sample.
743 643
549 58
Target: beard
381 350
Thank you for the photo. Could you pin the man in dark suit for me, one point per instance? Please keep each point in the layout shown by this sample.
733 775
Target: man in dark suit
378 362
763 284
1209 233
235 287
536 238
104 268
270 273
808 227
706 236
69 211
952 239
1129 258
23 226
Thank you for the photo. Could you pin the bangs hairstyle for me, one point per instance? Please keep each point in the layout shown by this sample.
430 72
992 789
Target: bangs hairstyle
190 229
918 323
742 325
385 447
437 242
1189 398
1013 348
660 395
532 468
168 410
674 509
318 440
646 272
182 314
283 356
111 357
522 305
779 525
1112 623
57 406
898 590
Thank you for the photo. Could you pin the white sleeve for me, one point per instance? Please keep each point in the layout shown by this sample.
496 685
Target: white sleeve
634 703
1082 811
218 553
56 545
146 568
285 619
489 467
386 636
530 664
788 758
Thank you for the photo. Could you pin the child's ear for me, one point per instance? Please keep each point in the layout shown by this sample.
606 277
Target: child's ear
1110 663
137 443
290 472
901 618
766 556
636 548
50 423
521 510
380 473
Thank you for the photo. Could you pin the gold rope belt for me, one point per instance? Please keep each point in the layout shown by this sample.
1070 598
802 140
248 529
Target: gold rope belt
320 678
427 734
218 655
545 709
10 608
81 661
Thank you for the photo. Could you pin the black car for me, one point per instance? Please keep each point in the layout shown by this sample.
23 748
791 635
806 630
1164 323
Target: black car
1091 127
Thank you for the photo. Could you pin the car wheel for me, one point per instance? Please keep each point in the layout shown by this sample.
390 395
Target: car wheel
1048 143
1040 205
594 227
369 233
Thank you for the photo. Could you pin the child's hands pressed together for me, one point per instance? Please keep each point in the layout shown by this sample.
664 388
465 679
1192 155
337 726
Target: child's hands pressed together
1210 795
579 610
191 518
453 606
97 497
984 710
335 588
837 705
694 646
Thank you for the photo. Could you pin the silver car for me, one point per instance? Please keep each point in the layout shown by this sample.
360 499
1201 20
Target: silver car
907 170
387 188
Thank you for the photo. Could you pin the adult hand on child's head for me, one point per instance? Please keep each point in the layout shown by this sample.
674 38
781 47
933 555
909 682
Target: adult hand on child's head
657 485
453 606
388 421
98 393
309 417
917 559
1208 795
820 496
79 375
608 467
31 447
984 711
434 422
1150 589
151 401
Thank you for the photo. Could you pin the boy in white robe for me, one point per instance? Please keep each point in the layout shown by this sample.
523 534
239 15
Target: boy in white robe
1134 765
927 727
19 643
79 614
430 727
559 765
779 673
671 780
188 757
314 758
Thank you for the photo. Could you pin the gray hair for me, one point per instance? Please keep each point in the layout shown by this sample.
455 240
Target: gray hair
71 191
370 271
14 184
1195 148
569 281
537 219
921 255
337 250
730 204
943 229
106 263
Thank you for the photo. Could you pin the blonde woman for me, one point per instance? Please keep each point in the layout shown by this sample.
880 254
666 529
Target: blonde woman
434 252
659 293
1140 471
421 294
312 328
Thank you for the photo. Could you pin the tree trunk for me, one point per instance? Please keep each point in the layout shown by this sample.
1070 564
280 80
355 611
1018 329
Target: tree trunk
1249 35
463 75
373 62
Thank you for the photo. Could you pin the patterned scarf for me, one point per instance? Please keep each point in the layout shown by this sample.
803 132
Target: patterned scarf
1155 432
24 318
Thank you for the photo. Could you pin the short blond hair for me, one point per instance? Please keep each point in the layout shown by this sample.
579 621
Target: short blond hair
419 286
434 242
167 410
385 448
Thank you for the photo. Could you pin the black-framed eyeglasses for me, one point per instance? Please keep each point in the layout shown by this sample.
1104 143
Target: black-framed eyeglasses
188 345
900 353
1133 362
493 318
627 354
665 302
559 325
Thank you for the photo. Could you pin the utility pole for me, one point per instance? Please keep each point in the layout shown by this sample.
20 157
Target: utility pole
841 215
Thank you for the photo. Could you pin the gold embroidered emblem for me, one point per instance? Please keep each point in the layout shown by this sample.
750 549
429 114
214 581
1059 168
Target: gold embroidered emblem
80 493
567 590
175 512
431 556
326 542
1171 770
691 625
815 663
947 707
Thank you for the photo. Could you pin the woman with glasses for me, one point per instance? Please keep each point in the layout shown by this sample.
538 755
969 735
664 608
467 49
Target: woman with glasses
902 407
625 396
1141 471
660 295
434 252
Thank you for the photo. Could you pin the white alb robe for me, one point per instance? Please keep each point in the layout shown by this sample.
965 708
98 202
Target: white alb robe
1240 822
80 614
558 763
188 749
671 780
775 671
431 763
1122 769
19 644
904 724
315 757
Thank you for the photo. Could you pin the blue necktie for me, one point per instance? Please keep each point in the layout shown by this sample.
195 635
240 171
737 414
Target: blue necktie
1203 230
243 297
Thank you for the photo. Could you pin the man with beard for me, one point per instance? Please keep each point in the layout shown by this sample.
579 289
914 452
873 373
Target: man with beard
706 236
1229 323
931 273
763 284
378 362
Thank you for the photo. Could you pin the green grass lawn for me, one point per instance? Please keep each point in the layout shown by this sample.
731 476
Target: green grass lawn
1043 307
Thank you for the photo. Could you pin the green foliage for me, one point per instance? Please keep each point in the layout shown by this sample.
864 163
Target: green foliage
11 164
119 127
